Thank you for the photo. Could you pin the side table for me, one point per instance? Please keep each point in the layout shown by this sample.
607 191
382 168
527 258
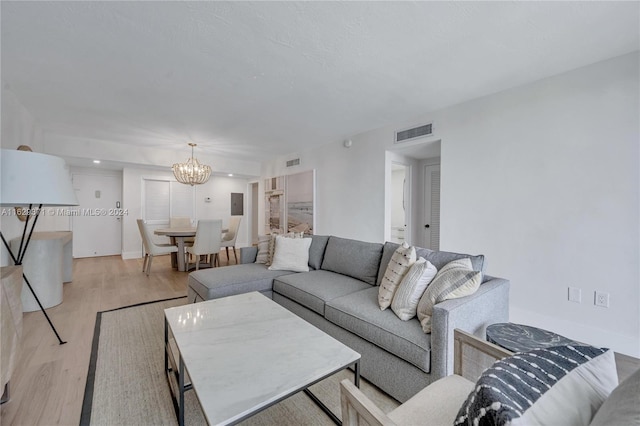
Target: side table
48 263
522 338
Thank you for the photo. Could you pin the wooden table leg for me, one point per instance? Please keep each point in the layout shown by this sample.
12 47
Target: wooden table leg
181 265
174 256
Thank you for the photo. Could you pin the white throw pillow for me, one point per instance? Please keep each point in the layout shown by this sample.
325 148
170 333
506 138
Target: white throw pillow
291 254
413 285
272 243
400 262
455 279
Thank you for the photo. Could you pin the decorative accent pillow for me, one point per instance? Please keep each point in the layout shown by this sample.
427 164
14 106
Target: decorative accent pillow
622 407
272 243
411 288
558 385
263 248
399 265
455 279
291 254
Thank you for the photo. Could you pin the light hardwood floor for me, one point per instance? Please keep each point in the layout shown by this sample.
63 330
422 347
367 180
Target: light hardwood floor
48 384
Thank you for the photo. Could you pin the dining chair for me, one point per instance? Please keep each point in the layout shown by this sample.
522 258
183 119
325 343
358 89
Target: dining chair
150 248
207 242
229 238
182 222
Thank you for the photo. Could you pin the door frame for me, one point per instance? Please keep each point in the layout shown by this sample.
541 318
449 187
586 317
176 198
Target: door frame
101 173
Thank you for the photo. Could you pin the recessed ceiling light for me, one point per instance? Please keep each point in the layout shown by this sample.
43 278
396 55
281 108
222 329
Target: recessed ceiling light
96 161
230 174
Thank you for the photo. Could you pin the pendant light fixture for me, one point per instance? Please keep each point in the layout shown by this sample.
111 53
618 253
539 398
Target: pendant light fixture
191 172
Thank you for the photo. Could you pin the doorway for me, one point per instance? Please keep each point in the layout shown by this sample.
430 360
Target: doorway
400 203
253 213
97 221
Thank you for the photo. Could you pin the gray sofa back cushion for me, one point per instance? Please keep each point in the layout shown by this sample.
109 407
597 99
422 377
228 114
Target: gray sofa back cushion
357 259
437 258
316 251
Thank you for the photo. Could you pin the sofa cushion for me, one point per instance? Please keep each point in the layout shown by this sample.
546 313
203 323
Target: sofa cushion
399 265
357 259
556 385
291 254
411 289
622 408
456 279
230 280
316 251
360 314
263 249
437 258
314 288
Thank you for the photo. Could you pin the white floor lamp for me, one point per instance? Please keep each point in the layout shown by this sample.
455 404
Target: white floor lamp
31 179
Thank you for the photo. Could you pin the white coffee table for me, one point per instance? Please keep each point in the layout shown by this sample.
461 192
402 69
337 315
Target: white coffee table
245 353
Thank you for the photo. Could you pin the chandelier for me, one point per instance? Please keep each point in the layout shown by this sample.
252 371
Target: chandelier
191 172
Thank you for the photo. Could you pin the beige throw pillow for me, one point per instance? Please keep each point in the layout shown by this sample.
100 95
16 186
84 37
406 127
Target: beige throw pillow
413 285
455 279
291 254
400 262
263 248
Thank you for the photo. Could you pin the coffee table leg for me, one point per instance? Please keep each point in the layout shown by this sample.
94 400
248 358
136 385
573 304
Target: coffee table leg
166 349
181 390
356 378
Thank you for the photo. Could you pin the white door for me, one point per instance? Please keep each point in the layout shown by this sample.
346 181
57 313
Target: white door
97 221
431 225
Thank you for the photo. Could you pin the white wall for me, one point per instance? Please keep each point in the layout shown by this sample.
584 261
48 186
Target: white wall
218 188
543 179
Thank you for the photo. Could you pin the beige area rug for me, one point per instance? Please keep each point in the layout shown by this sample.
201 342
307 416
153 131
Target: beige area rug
127 385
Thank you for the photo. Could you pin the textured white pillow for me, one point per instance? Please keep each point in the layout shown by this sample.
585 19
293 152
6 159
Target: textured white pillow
455 279
272 243
263 248
400 262
413 285
291 254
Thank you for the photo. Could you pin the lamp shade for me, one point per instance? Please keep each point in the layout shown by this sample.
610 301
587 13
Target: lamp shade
34 178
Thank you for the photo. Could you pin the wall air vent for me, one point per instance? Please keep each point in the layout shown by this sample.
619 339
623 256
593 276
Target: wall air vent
414 133
294 162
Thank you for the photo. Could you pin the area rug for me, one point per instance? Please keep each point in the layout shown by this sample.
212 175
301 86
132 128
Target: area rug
126 384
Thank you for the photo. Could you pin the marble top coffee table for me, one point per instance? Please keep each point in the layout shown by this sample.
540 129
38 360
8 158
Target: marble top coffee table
245 353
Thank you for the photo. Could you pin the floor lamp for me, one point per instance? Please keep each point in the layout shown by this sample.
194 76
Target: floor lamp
31 180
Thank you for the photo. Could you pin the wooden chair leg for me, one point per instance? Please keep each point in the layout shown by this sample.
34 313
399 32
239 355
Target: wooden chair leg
227 250
235 255
144 262
149 265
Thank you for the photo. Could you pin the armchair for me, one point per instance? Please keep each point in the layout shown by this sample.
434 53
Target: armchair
436 404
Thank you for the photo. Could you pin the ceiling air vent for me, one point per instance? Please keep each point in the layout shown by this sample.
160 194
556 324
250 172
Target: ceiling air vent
414 133
294 162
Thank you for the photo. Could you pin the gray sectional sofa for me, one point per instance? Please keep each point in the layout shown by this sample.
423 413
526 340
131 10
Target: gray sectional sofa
339 295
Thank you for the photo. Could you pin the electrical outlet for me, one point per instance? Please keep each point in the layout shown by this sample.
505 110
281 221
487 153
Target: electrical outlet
601 299
575 294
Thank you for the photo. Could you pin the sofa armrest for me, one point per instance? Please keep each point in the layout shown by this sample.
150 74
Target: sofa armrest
488 305
248 254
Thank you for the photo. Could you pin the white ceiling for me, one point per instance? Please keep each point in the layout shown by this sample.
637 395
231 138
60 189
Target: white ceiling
255 79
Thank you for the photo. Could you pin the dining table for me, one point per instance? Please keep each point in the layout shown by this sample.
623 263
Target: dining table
177 236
